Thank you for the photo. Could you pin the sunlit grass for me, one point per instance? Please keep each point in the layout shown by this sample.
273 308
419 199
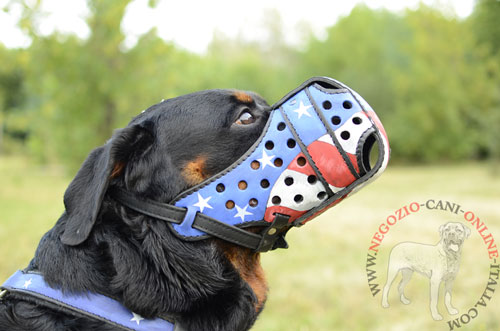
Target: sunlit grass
320 282
30 203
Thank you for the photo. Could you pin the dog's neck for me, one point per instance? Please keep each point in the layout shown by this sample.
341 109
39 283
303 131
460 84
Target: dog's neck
153 274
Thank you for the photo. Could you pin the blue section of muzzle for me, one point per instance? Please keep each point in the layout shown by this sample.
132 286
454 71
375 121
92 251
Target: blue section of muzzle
303 118
232 205
341 105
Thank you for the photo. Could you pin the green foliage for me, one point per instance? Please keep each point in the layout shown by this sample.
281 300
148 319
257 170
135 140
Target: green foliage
433 79
13 120
441 93
484 23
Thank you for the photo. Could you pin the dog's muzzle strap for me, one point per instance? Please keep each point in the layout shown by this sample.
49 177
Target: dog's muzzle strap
270 238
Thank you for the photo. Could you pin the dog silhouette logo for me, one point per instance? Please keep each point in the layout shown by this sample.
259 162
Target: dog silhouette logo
440 263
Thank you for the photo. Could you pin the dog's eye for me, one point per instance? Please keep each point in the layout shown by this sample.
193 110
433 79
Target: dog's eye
245 118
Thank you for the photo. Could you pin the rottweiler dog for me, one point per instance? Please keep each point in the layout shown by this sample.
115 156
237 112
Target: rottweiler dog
136 259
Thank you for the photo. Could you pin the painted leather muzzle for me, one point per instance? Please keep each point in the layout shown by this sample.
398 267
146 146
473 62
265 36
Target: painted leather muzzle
314 151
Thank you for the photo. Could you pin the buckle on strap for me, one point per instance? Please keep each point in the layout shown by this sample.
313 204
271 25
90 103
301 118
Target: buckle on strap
273 236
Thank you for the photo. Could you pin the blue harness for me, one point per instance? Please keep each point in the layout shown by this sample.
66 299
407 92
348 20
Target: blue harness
92 305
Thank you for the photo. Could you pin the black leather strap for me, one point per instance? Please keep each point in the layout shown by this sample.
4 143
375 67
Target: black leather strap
148 207
202 222
225 231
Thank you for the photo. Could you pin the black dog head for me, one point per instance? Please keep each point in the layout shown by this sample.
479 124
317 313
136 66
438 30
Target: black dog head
166 149
99 245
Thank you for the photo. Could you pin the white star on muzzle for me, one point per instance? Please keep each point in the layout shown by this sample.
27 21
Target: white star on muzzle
202 203
302 110
242 212
266 160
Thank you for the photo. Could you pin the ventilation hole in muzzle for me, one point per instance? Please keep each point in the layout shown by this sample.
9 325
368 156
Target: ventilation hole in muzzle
336 120
242 185
327 104
220 188
288 181
345 135
357 120
347 104
264 183
321 195
301 161
269 145
281 126
276 200
369 153
312 179
291 143
255 165
230 204
278 162
253 202
298 198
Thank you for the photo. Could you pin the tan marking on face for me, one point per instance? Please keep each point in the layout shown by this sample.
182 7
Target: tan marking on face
243 97
247 263
117 170
194 171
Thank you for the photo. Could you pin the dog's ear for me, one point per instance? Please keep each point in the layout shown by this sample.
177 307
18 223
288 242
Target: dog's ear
467 231
441 229
84 195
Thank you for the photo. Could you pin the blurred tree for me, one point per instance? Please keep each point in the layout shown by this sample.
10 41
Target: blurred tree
484 22
269 66
13 123
435 87
77 84
440 94
362 50
430 93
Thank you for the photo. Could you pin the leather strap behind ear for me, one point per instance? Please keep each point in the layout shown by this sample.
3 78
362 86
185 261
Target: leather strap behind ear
84 195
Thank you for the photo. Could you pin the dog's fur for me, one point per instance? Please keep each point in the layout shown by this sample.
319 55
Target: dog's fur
438 262
136 259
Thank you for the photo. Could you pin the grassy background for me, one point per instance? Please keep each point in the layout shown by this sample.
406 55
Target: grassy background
320 282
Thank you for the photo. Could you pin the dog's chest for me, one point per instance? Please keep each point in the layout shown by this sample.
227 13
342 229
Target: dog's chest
452 264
